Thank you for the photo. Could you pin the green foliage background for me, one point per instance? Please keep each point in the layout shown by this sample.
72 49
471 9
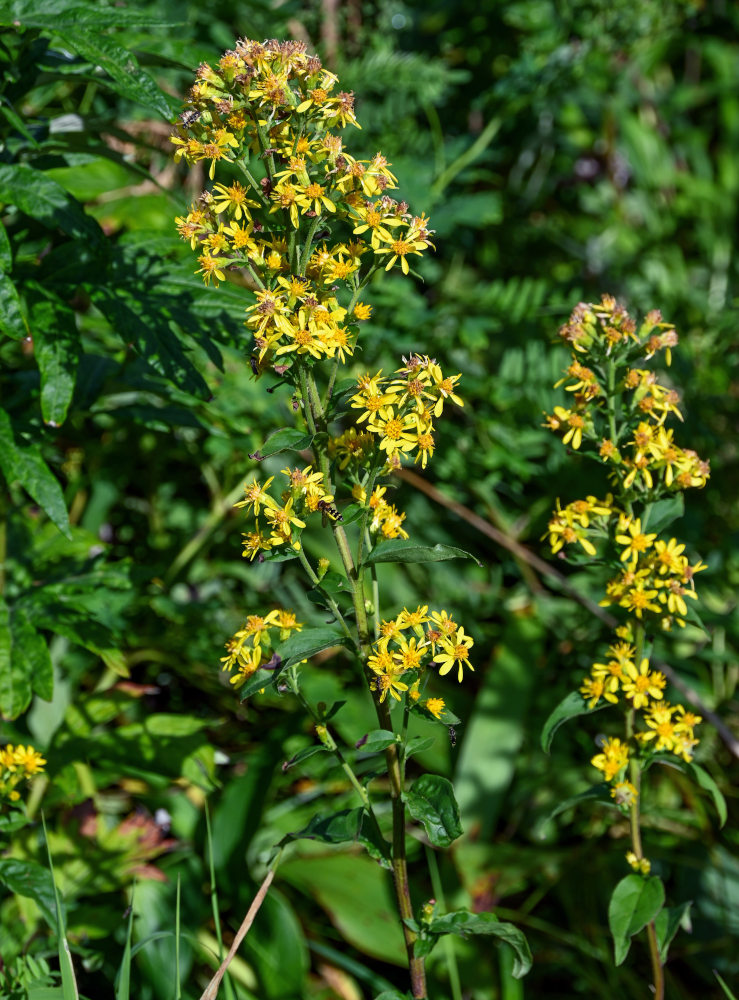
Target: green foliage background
562 150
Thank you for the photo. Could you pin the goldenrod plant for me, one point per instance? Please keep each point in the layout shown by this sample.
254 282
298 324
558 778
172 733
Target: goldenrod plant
618 416
304 226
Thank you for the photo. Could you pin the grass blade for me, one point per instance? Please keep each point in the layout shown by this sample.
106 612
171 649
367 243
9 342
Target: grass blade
123 987
69 982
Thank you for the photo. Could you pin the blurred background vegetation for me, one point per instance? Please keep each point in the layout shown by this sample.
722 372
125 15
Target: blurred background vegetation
562 149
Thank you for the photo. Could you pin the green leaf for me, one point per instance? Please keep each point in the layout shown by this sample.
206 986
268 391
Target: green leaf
302 645
348 826
417 744
666 926
705 781
287 439
12 321
30 653
6 254
430 800
635 902
401 550
126 76
658 516
464 924
727 992
569 708
447 718
46 201
304 754
37 14
25 464
26 878
56 345
69 981
598 793
393 995
377 741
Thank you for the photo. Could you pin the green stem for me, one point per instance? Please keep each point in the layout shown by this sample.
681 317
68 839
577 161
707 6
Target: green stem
635 828
252 180
611 399
313 577
305 255
447 944
305 394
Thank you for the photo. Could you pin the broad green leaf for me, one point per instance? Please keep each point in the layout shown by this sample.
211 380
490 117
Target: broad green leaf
26 878
666 925
31 654
376 741
38 14
286 439
348 826
401 550
46 201
6 254
25 464
430 800
12 321
635 902
658 516
464 924
306 643
597 793
570 707
126 76
56 346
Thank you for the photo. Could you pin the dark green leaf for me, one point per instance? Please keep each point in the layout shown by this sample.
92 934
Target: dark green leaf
569 708
304 754
46 201
302 645
464 924
6 254
667 924
12 321
430 800
701 777
57 353
377 741
126 76
344 827
400 550
597 793
658 516
26 878
636 901
287 439
31 654
38 14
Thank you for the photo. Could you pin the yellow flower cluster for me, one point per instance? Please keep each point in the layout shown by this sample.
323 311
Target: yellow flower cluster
396 655
400 410
249 647
17 763
304 496
268 111
670 726
386 518
621 407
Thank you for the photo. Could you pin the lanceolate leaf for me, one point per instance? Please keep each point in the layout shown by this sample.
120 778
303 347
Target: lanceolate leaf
286 439
430 800
399 550
660 515
666 925
6 254
464 924
569 708
344 827
12 322
636 901
302 645
126 76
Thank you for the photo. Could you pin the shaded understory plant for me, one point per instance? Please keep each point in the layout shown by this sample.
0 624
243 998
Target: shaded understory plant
618 418
303 226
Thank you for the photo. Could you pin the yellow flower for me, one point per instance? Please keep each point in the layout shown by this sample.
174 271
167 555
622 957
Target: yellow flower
455 650
435 706
642 684
614 757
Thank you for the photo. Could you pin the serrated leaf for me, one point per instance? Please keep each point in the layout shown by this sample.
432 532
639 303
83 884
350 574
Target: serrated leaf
658 516
667 924
33 881
12 321
56 347
376 741
126 76
635 902
464 924
430 800
570 707
345 827
46 201
401 550
286 439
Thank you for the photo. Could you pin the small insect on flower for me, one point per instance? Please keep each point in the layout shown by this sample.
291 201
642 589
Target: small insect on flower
190 116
